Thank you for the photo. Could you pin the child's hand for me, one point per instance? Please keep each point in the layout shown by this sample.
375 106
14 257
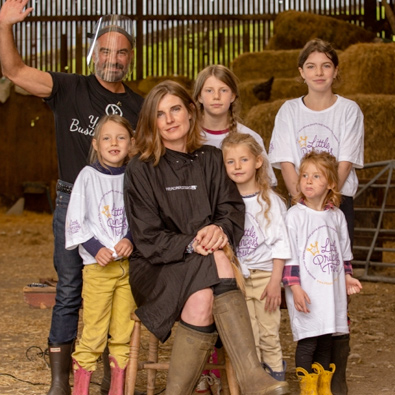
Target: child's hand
124 248
104 256
300 298
353 285
272 293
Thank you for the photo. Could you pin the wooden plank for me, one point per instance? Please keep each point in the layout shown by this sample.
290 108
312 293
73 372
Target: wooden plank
389 14
78 50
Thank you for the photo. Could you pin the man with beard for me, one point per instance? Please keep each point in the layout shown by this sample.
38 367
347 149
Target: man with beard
77 102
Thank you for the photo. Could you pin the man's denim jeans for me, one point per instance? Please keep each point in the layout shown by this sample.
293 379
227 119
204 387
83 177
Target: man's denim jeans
68 265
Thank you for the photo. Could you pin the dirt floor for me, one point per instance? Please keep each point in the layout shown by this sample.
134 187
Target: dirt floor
26 256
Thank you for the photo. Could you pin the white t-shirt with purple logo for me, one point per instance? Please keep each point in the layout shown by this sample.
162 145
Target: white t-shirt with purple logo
96 209
320 245
338 130
263 241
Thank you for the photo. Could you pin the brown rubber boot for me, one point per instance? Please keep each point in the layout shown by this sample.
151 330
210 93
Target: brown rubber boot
339 356
234 328
60 362
188 357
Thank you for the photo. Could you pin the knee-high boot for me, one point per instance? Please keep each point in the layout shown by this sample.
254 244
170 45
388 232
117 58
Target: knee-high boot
234 328
188 357
339 356
82 379
60 362
117 377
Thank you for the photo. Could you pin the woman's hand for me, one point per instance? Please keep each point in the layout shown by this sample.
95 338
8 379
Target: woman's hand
209 239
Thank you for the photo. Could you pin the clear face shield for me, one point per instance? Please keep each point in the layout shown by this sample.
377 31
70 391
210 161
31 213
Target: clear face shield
111 51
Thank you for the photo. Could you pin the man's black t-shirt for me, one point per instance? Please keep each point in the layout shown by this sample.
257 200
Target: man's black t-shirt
78 102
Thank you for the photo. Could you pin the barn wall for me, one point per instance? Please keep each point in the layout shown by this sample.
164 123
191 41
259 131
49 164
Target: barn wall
28 149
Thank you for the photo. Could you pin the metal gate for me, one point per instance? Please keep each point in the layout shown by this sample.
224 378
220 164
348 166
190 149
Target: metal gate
374 240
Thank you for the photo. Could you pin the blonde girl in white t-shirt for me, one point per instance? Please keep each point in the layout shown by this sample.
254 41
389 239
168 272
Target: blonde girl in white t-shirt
263 248
96 224
216 94
317 278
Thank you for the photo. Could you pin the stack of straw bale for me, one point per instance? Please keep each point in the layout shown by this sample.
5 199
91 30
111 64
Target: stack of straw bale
292 29
368 68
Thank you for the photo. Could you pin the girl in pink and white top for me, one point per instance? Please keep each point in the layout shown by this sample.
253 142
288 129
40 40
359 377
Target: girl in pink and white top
217 94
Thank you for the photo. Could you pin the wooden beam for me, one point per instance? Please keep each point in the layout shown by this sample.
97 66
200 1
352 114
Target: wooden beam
389 14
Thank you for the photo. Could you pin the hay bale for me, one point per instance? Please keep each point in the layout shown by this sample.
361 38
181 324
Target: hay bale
134 86
266 64
379 114
261 119
292 29
282 88
288 88
247 97
148 83
368 68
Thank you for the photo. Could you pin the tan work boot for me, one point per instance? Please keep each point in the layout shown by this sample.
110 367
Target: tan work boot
234 328
188 357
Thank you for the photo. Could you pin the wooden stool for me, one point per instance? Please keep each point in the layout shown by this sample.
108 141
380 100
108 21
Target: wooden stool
228 378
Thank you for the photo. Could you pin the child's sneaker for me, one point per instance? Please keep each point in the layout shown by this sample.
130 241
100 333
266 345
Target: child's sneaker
203 385
215 384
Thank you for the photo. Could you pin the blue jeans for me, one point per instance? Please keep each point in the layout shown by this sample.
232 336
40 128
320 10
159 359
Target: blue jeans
68 265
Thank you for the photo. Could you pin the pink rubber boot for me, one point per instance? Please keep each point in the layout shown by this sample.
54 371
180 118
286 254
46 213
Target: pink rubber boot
117 378
82 379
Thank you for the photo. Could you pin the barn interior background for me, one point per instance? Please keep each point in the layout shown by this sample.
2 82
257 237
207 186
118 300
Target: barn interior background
176 37
260 41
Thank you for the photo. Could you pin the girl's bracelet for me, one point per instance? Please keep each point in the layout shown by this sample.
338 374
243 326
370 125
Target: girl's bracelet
189 248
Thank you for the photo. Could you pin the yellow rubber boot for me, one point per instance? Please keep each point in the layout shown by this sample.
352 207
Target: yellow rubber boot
324 378
308 382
